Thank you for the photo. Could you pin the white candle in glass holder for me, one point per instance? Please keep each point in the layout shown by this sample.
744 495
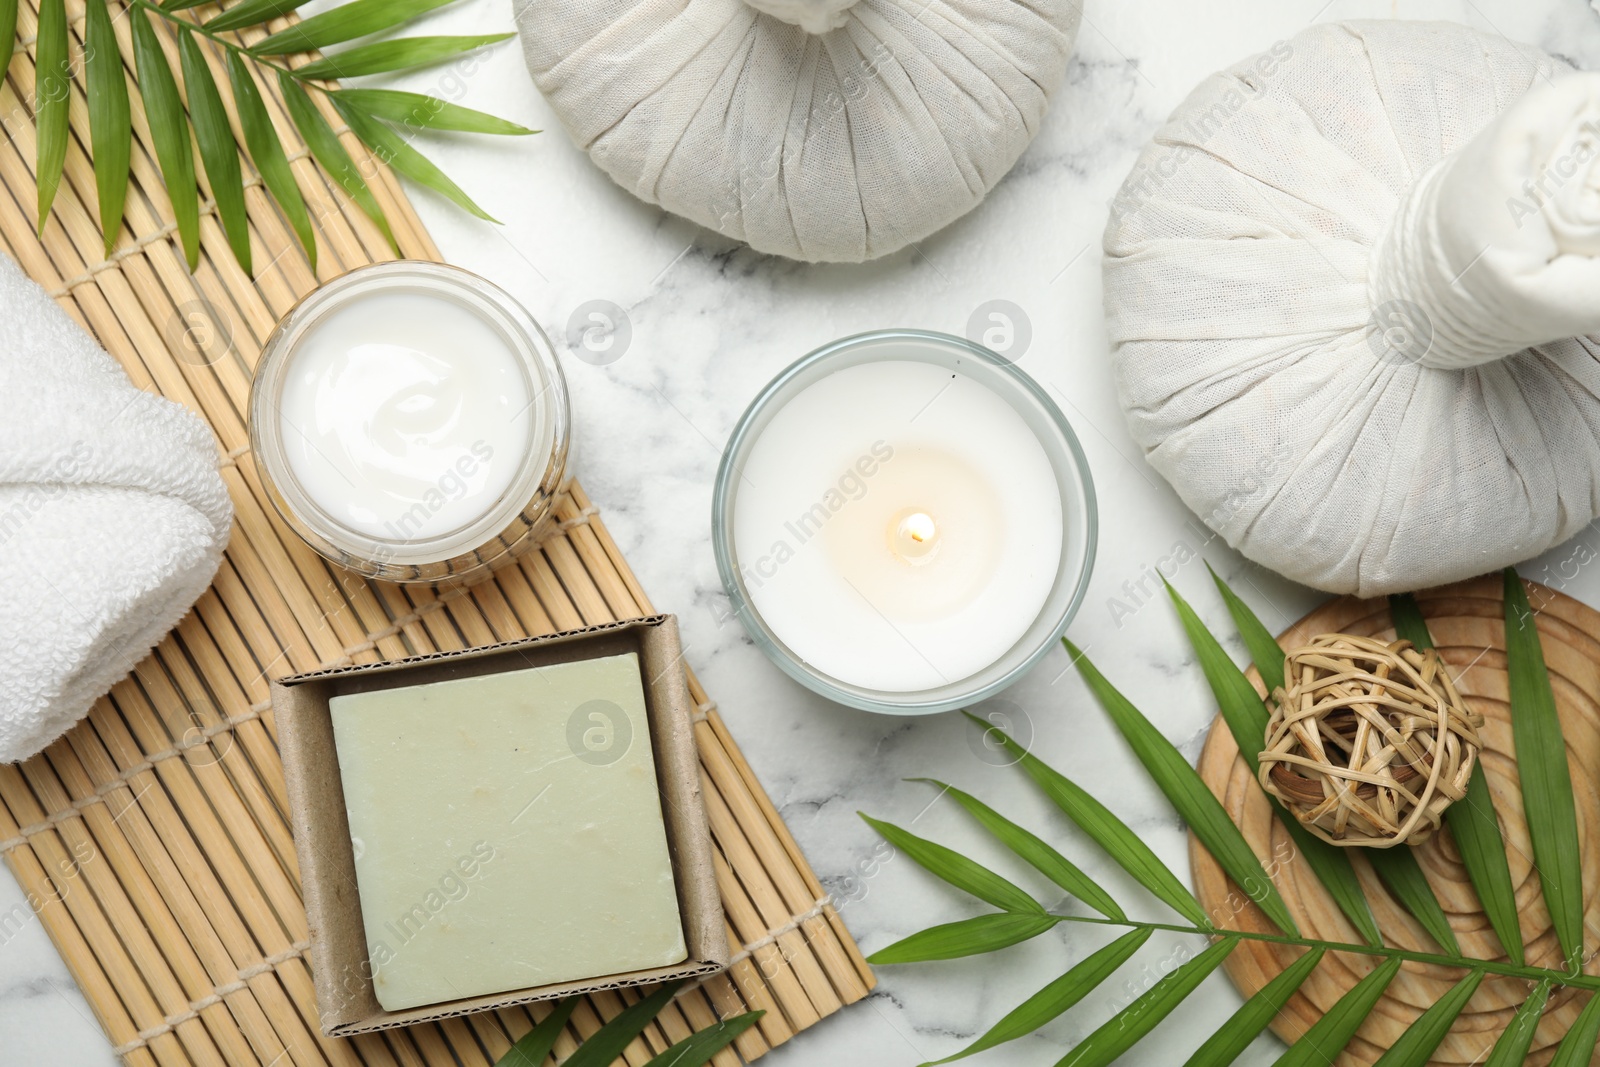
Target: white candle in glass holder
898 525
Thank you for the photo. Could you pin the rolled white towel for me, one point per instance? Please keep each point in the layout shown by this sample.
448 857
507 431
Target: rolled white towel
1496 246
113 518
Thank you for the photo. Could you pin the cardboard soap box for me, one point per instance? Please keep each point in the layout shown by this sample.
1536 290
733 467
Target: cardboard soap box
338 953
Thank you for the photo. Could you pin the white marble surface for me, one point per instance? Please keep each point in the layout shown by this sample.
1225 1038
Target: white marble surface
711 323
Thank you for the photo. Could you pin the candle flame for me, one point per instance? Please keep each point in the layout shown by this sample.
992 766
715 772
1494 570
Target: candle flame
914 537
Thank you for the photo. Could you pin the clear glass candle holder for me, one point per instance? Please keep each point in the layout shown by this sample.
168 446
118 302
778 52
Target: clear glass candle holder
505 525
1043 420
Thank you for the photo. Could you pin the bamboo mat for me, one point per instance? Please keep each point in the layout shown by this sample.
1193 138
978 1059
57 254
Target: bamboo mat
153 838
1466 621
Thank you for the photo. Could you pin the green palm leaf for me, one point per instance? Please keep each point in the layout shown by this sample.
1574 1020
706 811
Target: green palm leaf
1334 1030
1578 1047
251 13
1052 864
1234 1036
956 869
326 149
1546 779
1512 1048
52 93
110 120
1331 1033
1246 718
169 129
1055 998
1185 790
345 22
535 1046
416 111
1128 1026
406 53
393 150
1472 821
8 32
1263 647
1108 831
218 150
261 138
697 1049
612 1039
1400 872
110 130
966 937
1423 1037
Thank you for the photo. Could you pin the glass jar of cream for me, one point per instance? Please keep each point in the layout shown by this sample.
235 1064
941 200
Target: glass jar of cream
410 422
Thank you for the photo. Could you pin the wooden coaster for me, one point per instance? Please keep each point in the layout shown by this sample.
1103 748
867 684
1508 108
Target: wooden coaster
1466 621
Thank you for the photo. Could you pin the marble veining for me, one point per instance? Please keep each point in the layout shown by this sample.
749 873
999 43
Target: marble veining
711 323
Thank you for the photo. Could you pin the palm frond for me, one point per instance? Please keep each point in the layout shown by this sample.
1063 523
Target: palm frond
1417 1045
1020 917
218 150
52 93
1186 792
1541 751
407 53
1046 860
966 937
1512 1048
272 163
1224 1046
1126 1028
1473 821
358 18
1109 832
169 129
1340 1022
956 869
384 119
1246 718
110 120
1055 998
612 1039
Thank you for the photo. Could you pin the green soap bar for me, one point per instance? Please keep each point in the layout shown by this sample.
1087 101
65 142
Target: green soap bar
507 831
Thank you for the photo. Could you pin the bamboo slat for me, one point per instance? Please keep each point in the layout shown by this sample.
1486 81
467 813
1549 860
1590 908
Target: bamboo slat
153 839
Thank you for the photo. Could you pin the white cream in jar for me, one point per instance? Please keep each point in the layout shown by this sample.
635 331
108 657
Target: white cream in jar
404 416
410 422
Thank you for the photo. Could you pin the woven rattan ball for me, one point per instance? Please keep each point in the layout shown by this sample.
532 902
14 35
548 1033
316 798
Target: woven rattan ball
1369 742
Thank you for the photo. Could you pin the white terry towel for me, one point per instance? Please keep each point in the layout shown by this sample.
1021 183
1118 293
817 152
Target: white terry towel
113 518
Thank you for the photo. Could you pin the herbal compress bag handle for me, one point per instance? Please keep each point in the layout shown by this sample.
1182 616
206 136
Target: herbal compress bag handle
1349 287
813 129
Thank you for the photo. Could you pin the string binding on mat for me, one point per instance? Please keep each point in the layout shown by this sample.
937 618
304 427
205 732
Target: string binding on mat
299 948
124 779
172 1022
255 711
114 260
816 911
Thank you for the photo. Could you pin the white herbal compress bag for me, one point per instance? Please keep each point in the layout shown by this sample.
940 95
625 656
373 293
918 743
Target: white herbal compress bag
813 129
1349 287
